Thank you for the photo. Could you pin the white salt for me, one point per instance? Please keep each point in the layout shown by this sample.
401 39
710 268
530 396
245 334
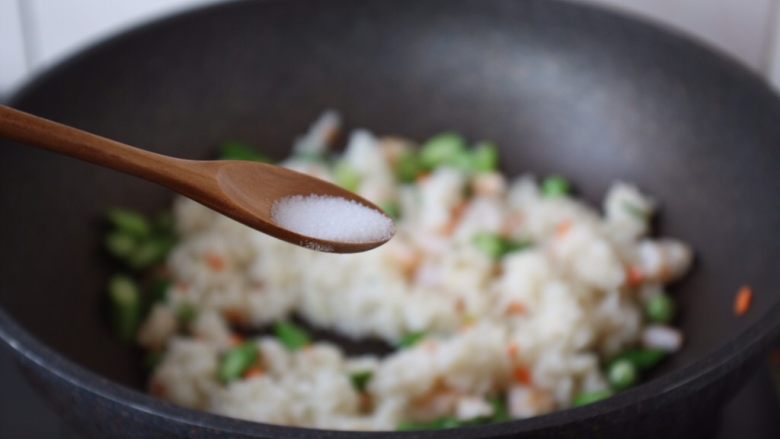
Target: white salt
331 219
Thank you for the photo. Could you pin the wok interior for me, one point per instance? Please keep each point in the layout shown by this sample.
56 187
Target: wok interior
560 88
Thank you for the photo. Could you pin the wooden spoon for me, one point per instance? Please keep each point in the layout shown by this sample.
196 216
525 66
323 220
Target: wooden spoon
244 191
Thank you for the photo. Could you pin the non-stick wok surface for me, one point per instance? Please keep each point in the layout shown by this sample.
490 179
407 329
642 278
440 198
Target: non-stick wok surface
561 88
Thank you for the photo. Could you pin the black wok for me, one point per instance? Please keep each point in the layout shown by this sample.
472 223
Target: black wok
560 87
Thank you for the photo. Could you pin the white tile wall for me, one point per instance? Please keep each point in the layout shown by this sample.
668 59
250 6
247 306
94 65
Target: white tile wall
35 33
62 26
738 27
773 48
13 64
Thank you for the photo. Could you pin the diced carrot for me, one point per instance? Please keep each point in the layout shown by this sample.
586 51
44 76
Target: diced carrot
157 389
563 228
366 401
407 257
776 357
460 305
215 262
331 136
236 339
511 222
634 276
466 326
743 300
422 178
235 316
254 371
523 375
516 309
513 350
456 215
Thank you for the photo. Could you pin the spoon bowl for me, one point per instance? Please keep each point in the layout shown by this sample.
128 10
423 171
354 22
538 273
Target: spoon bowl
244 191
245 184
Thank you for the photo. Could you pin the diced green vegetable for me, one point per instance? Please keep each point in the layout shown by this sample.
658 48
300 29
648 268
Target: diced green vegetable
241 151
164 223
152 360
496 246
309 156
408 167
661 308
159 290
515 246
442 149
291 335
392 209
120 245
490 243
555 186
346 176
411 339
150 252
635 211
413 426
591 397
236 361
500 414
126 308
500 411
463 161
484 158
439 424
622 374
360 379
129 222
186 313
643 359
448 422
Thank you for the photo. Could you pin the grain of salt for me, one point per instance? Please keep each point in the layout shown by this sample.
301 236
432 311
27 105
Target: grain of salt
332 219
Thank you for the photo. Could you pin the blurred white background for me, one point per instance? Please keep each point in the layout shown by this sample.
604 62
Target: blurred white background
36 33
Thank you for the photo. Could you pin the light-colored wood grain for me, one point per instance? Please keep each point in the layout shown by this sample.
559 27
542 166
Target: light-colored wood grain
244 191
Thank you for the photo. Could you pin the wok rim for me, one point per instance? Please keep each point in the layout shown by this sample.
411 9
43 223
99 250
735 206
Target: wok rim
659 392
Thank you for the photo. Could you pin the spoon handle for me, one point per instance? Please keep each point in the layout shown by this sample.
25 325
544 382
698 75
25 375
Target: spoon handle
36 131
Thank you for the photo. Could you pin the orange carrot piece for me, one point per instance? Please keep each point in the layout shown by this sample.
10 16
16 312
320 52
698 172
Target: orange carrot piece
634 276
215 262
743 300
563 228
513 351
423 177
516 309
254 371
776 357
235 316
460 305
236 339
157 389
511 223
522 375
456 216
